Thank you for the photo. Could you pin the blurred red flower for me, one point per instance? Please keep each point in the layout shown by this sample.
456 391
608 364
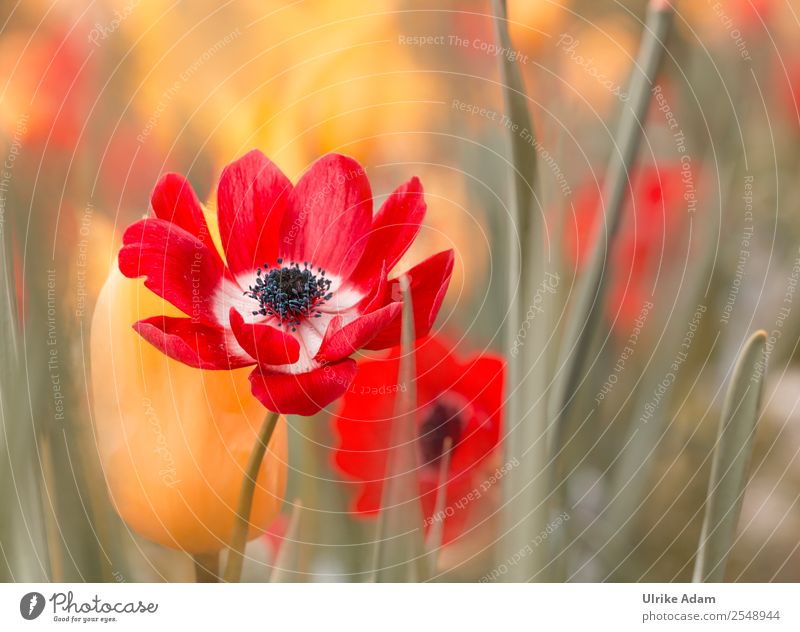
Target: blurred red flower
52 80
304 281
749 13
460 398
649 222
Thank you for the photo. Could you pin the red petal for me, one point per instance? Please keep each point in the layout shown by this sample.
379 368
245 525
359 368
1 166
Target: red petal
429 281
481 382
340 342
393 229
252 197
179 267
174 200
438 367
302 393
369 500
266 344
364 420
199 345
374 298
329 216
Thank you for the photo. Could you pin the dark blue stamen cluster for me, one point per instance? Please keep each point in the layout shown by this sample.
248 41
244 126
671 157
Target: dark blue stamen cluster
290 292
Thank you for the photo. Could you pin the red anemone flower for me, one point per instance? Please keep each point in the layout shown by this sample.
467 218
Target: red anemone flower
303 283
460 398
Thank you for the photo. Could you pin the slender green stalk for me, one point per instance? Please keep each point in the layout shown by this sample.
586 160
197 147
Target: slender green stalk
399 546
525 489
731 458
631 480
206 568
233 569
53 535
588 307
291 563
9 407
583 321
433 541
24 549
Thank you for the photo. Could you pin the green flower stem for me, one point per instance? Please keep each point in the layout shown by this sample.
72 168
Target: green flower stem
399 546
433 542
206 568
525 491
233 569
585 316
591 288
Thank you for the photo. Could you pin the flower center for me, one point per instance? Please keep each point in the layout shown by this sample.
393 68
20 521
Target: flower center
289 292
442 420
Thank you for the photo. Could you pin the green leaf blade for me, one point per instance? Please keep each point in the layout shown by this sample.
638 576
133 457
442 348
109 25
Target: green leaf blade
731 458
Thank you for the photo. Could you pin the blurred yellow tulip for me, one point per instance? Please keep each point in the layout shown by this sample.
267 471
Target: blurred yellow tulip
174 441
